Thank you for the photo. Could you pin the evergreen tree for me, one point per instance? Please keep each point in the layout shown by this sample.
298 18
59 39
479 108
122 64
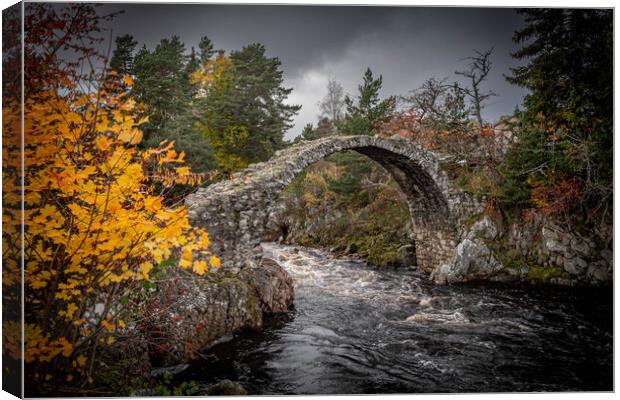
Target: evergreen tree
367 111
306 134
122 57
193 65
244 110
566 129
323 129
206 49
163 85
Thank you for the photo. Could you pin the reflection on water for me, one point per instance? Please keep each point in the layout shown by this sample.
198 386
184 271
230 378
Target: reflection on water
355 329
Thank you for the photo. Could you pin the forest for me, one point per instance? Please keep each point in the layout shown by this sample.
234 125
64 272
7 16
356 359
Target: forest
116 139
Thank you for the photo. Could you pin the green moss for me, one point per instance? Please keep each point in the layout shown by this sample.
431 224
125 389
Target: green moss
377 249
253 301
544 274
512 258
461 181
165 387
472 219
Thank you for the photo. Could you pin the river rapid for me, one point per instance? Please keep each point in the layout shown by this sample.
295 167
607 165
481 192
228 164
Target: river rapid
358 329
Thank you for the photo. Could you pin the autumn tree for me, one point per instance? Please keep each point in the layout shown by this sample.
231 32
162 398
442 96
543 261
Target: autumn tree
12 212
94 225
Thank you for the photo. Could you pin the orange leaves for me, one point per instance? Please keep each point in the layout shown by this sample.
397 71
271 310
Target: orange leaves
214 261
107 326
127 80
557 196
158 160
130 135
103 143
198 242
182 171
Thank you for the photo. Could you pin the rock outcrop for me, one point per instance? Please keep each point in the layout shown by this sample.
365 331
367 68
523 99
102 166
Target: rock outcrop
225 387
473 260
192 312
538 251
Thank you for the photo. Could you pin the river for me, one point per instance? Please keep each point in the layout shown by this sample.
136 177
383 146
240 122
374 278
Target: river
358 329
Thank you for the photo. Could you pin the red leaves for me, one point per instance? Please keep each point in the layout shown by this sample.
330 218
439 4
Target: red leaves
487 131
557 196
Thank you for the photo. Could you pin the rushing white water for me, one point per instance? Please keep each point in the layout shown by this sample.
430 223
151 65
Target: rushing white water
358 329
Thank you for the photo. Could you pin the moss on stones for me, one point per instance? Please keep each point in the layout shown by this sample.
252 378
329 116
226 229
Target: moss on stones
538 273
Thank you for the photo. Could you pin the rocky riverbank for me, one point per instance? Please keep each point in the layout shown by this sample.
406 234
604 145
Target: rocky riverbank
539 251
186 314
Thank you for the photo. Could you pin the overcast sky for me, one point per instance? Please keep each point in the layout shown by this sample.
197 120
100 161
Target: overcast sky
406 45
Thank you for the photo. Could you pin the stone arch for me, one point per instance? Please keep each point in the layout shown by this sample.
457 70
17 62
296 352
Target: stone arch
236 212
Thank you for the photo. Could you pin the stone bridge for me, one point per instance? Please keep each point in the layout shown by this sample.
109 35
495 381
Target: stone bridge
238 212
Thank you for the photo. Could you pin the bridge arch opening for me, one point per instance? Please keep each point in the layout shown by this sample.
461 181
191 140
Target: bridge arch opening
350 204
417 210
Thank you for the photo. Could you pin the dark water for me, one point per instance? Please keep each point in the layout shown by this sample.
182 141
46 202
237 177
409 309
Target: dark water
355 329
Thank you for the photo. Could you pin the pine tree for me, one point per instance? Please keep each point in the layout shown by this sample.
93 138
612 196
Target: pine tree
122 57
163 85
244 110
161 82
367 111
206 49
324 128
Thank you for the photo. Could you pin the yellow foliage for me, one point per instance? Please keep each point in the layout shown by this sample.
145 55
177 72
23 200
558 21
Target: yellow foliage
93 224
212 73
214 261
200 267
81 360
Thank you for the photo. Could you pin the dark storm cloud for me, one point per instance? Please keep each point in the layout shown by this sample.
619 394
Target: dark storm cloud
300 36
405 44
